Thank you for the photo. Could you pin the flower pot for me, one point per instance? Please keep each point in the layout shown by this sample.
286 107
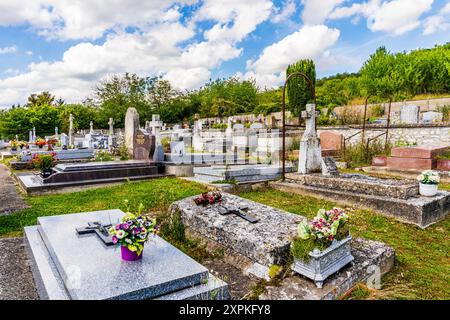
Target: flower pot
46 173
128 255
428 190
322 264
40 146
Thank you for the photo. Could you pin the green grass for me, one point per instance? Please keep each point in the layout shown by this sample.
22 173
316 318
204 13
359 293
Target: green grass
422 268
154 194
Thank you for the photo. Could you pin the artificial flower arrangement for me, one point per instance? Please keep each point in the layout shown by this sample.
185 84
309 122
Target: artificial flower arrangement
320 232
13 144
428 183
44 163
51 143
23 144
131 234
429 177
40 142
208 198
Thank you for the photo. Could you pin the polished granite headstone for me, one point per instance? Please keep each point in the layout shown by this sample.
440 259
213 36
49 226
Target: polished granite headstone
81 267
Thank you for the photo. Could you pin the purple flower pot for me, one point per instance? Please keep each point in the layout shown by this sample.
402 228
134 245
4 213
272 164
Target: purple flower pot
128 255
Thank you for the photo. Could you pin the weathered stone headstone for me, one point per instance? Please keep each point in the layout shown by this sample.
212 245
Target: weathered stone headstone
131 127
330 140
432 116
257 126
91 127
30 138
177 148
329 167
238 126
56 132
64 140
310 158
110 133
409 114
70 130
144 145
34 134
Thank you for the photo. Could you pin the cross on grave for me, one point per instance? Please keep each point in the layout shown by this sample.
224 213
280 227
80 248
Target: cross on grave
100 230
238 211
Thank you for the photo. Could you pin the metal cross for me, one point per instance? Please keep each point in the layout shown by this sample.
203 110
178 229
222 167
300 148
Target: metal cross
100 230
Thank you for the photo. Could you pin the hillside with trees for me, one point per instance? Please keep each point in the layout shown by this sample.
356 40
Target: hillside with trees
398 75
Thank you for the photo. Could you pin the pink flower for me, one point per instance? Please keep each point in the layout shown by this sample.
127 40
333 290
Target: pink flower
114 239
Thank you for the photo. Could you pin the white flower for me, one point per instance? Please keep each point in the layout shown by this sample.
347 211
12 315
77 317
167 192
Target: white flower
120 234
420 177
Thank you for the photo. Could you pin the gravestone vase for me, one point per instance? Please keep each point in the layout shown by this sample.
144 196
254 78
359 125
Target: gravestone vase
128 255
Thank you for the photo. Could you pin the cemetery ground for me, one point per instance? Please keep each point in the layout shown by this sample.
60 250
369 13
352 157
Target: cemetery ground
421 270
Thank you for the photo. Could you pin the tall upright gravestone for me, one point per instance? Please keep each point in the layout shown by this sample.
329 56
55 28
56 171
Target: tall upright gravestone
310 158
131 126
144 145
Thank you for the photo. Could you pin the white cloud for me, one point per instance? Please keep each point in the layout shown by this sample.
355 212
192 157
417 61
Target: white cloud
309 42
160 45
80 19
395 17
6 50
288 9
440 21
316 12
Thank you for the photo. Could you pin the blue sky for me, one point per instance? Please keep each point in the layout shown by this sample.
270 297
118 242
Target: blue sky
67 46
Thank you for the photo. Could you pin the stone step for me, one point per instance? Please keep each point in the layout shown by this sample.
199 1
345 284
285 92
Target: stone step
411 163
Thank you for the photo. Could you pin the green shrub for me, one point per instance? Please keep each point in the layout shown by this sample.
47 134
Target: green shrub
219 126
445 112
166 144
295 145
359 154
122 152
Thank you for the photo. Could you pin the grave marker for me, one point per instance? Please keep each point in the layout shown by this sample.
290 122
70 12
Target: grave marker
310 158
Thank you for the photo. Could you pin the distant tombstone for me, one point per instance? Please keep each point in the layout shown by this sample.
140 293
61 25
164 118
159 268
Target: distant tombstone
64 140
329 167
91 127
131 127
310 158
257 126
432 116
144 145
30 137
70 130
330 140
238 126
409 114
177 148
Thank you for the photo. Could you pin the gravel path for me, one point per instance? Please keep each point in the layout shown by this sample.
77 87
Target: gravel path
16 280
10 200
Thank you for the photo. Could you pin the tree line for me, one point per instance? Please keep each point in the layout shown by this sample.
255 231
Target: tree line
384 75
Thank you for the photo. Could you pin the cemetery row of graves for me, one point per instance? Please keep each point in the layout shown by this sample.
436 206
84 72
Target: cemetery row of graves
199 213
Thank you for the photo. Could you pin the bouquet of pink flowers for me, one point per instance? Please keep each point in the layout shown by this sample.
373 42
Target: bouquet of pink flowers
324 226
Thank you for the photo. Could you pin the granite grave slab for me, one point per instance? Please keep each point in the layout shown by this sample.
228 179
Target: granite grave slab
66 265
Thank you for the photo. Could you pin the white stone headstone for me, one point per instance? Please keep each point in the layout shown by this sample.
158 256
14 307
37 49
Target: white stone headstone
70 130
257 126
432 116
409 114
177 148
238 126
310 157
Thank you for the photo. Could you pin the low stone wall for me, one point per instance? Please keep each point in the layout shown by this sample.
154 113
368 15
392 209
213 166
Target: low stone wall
420 134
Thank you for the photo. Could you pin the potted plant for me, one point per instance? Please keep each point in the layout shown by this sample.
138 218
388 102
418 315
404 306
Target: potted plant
428 183
44 163
131 234
40 143
23 144
322 246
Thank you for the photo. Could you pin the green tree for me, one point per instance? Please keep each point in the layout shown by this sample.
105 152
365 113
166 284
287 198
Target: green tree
43 98
298 90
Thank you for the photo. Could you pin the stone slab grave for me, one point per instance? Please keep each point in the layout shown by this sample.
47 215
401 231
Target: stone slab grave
239 173
69 154
68 266
396 198
421 157
70 175
267 242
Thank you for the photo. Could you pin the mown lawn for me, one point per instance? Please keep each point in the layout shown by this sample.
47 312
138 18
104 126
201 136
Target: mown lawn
154 194
423 264
422 269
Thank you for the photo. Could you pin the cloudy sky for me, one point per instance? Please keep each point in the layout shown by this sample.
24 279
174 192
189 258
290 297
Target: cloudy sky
66 46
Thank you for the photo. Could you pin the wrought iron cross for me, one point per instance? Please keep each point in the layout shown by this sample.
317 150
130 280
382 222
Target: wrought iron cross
224 210
100 230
